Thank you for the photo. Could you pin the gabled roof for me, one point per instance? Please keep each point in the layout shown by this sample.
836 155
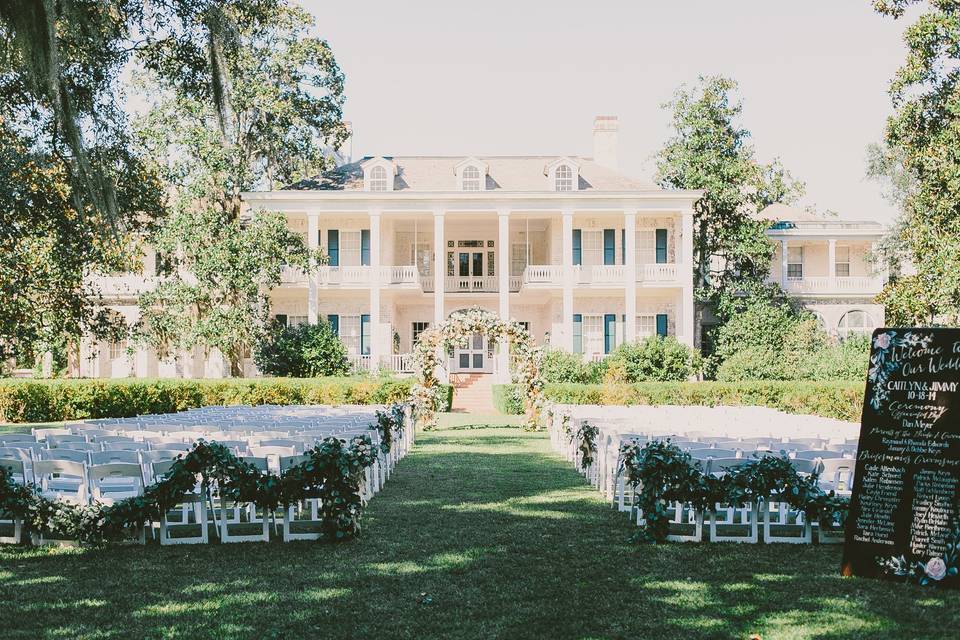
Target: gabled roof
373 161
556 162
504 173
471 161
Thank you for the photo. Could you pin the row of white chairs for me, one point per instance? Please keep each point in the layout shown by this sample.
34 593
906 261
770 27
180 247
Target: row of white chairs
831 456
85 466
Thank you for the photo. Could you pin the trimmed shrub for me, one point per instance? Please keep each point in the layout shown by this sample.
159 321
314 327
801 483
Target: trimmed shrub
829 399
655 358
507 399
57 400
563 366
303 351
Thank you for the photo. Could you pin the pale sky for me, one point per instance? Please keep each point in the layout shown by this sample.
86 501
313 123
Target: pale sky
518 77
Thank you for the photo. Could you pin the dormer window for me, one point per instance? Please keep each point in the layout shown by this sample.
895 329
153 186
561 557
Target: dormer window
378 174
471 175
563 174
378 179
563 179
471 179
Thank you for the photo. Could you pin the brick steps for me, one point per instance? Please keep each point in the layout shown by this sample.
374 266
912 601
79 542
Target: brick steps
473 393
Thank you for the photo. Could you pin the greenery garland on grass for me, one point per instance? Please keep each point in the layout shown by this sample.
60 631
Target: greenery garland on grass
333 472
663 474
434 343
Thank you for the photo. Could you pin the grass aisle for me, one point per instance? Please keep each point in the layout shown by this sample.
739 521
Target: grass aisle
481 533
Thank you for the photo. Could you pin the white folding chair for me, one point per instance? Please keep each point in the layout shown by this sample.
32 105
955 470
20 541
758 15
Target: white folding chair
251 509
793 525
748 512
194 502
63 480
115 481
293 513
18 472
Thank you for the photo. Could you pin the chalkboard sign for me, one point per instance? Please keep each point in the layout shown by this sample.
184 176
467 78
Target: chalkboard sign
904 520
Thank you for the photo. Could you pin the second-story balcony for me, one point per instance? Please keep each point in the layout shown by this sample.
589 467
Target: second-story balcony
130 284
835 286
551 275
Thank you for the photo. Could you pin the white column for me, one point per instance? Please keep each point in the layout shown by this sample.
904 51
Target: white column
567 243
439 272
313 242
783 263
377 350
832 262
439 266
630 274
503 287
687 311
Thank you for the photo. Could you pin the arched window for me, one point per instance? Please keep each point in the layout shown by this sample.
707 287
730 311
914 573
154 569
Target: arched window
378 179
470 179
564 178
855 321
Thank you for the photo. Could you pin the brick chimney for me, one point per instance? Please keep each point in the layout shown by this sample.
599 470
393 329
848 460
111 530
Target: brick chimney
605 130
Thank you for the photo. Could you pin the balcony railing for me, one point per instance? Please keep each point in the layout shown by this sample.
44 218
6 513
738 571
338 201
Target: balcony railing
293 275
840 285
552 274
353 275
470 284
125 285
359 362
400 275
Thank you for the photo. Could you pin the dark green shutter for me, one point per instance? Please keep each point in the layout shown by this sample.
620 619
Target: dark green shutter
662 324
577 333
577 247
282 318
609 246
623 246
365 334
365 247
661 246
609 332
333 247
334 321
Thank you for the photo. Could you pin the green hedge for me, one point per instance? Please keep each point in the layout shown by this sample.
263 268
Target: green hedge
841 400
55 400
507 399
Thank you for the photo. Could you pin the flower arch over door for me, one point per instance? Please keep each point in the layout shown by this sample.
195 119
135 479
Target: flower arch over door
455 332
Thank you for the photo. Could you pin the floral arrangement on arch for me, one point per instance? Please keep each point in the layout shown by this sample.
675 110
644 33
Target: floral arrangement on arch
433 344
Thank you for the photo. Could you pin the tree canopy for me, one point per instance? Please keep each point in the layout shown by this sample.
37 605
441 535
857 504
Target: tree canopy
922 138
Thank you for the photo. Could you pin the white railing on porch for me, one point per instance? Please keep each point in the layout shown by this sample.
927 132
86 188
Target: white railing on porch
129 284
599 274
292 275
398 363
354 275
664 272
543 274
359 362
459 284
864 285
401 274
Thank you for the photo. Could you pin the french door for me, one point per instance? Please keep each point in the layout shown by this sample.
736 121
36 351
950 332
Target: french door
474 358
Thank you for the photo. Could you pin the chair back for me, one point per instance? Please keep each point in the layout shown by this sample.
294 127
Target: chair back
8 438
43 433
836 474
13 466
25 451
257 461
63 440
109 457
44 469
725 465
714 453
287 462
159 455
70 455
125 445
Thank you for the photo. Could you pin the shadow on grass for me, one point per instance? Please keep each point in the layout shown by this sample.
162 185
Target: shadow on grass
482 535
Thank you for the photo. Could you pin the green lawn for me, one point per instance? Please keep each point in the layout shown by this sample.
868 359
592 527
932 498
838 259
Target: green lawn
481 533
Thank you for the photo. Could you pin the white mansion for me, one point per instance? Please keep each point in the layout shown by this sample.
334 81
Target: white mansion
584 256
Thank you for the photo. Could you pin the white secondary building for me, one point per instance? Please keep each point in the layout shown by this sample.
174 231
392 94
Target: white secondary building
584 256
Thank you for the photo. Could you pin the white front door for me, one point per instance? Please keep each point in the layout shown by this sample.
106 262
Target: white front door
474 358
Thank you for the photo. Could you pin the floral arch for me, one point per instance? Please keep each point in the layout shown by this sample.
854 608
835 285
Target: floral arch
433 344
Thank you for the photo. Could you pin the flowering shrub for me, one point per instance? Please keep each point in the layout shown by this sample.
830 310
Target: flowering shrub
333 471
456 332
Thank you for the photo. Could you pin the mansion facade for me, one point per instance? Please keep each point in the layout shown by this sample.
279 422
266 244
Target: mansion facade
583 256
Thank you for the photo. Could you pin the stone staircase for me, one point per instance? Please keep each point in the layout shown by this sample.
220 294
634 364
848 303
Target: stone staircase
473 393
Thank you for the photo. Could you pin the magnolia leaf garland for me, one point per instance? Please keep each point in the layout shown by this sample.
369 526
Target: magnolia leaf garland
332 472
455 332
663 474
